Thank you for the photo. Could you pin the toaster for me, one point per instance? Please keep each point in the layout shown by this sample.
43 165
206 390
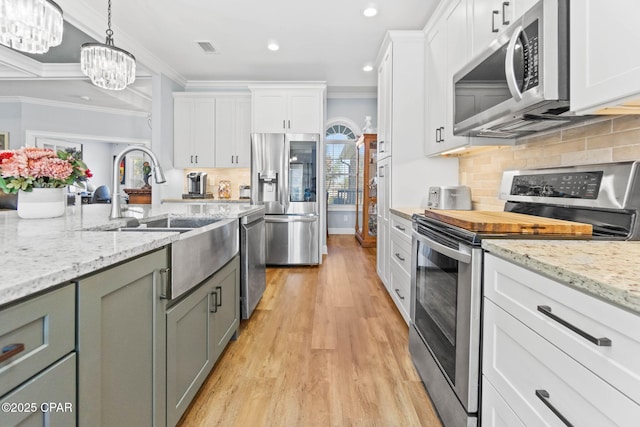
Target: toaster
457 197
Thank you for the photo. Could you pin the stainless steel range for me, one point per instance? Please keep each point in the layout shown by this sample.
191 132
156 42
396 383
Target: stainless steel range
446 281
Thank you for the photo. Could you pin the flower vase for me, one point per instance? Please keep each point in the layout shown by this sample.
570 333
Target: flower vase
42 203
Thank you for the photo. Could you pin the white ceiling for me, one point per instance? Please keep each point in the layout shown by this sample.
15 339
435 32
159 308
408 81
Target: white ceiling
328 40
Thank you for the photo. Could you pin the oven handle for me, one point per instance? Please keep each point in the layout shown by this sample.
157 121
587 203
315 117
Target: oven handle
458 255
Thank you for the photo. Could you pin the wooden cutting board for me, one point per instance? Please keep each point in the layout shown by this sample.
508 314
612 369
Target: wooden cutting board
508 222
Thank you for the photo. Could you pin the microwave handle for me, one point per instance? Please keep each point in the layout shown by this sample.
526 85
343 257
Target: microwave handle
508 65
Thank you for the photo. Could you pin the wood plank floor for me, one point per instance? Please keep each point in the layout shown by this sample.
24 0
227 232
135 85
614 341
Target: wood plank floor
325 347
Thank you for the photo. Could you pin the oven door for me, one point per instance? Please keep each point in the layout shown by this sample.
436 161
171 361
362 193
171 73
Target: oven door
446 293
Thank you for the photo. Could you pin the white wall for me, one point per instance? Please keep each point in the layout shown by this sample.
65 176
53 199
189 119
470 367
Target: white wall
10 121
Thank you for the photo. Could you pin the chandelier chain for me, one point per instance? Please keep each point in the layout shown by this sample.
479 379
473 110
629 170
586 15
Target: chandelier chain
109 30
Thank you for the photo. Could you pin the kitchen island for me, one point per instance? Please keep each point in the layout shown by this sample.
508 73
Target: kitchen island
36 255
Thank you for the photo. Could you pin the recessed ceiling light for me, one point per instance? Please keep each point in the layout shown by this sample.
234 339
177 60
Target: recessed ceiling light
367 68
273 45
370 11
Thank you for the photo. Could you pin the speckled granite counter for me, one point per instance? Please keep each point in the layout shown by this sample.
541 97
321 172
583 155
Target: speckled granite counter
206 201
406 213
39 254
608 270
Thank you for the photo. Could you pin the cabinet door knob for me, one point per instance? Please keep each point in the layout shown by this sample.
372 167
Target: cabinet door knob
493 21
544 396
505 4
601 342
10 350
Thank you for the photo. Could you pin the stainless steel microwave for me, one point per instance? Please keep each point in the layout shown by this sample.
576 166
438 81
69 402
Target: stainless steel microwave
520 83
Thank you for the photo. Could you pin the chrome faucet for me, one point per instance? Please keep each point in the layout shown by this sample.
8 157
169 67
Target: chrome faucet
158 175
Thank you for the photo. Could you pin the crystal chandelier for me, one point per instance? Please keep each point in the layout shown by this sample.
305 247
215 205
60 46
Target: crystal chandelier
108 66
31 26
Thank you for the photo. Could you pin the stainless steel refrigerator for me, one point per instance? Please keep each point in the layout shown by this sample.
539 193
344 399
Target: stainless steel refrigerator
284 171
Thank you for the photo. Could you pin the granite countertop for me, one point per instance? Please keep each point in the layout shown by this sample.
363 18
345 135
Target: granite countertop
608 270
406 212
210 200
37 254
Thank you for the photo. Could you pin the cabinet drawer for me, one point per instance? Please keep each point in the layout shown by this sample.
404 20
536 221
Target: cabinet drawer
50 396
401 228
528 371
401 253
400 290
495 411
524 293
45 326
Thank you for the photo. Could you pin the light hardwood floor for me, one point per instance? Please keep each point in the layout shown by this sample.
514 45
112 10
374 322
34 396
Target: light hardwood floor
325 347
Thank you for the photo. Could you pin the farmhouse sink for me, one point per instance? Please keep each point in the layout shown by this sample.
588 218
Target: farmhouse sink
204 246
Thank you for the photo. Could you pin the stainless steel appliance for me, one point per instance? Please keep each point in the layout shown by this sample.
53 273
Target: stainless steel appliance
446 281
457 197
197 186
253 280
520 84
284 171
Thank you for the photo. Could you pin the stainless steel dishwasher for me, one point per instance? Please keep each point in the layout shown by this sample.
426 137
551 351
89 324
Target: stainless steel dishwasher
253 280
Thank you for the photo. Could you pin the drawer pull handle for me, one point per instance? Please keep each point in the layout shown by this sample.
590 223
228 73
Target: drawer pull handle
213 308
397 254
8 351
544 396
218 301
602 342
398 292
401 228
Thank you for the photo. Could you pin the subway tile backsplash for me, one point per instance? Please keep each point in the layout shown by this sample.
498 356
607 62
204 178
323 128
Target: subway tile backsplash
603 140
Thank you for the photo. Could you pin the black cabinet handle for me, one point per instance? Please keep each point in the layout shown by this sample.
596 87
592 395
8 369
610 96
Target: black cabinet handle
441 132
544 396
437 134
219 302
602 342
505 4
289 123
213 307
236 159
191 159
10 350
196 159
401 258
398 292
283 126
400 228
493 21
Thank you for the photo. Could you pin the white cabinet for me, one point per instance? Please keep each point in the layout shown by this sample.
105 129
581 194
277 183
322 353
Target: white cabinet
552 352
492 17
385 74
286 109
605 69
447 51
233 132
193 132
400 264
383 240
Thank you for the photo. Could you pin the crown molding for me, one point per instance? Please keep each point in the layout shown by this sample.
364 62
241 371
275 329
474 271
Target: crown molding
71 105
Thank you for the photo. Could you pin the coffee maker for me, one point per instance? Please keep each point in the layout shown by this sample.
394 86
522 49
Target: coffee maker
197 186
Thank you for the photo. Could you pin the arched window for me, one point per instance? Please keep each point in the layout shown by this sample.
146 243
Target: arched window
340 163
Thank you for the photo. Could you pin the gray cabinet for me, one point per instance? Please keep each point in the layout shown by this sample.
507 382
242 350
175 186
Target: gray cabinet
121 344
47 400
198 329
37 361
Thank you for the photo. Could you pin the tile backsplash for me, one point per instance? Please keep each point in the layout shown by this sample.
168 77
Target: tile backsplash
602 140
237 176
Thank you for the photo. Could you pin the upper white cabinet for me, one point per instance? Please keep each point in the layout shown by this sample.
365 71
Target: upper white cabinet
193 132
492 17
447 51
233 132
211 130
605 67
278 109
385 81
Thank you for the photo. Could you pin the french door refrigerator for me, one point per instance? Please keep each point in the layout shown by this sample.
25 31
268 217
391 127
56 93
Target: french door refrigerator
284 171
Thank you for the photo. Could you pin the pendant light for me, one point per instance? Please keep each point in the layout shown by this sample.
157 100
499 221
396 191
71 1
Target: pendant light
31 26
108 66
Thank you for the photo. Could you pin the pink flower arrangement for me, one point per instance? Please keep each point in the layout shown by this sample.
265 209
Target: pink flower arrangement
31 167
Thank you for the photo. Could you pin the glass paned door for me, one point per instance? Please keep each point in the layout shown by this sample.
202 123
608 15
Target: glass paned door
302 171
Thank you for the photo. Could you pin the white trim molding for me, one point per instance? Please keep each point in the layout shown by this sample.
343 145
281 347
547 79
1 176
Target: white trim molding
345 121
32 136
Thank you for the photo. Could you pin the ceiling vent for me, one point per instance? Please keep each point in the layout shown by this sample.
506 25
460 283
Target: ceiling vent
207 47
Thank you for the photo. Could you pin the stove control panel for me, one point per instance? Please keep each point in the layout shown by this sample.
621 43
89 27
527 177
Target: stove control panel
575 185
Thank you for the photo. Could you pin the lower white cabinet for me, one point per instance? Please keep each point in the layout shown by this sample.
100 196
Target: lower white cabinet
198 329
121 344
400 264
495 411
556 355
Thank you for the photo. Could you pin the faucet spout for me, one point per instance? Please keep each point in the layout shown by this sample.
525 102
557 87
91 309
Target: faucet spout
158 175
